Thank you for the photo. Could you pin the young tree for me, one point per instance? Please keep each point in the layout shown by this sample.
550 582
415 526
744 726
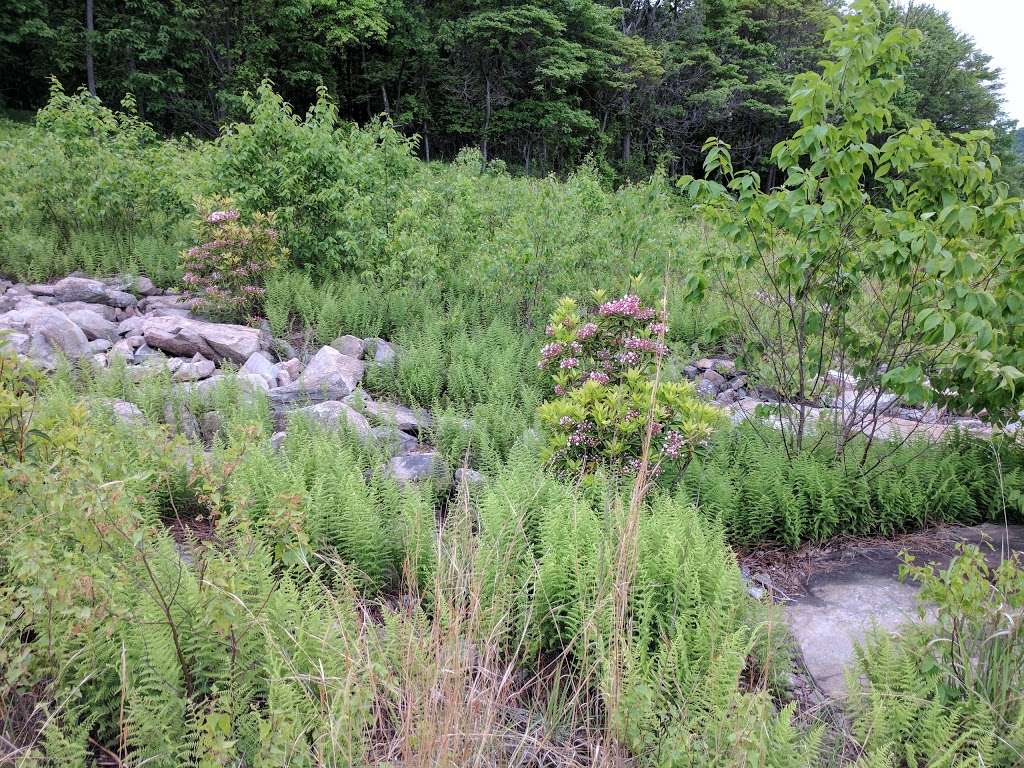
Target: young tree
897 264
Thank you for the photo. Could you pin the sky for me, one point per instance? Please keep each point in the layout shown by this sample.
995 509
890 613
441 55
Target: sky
997 27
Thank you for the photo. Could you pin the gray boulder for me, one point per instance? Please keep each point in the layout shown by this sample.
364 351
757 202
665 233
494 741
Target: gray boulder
401 417
383 352
352 346
124 411
143 286
248 385
260 365
90 291
418 467
107 312
185 337
181 419
193 370
99 345
710 383
393 440
277 440
329 376
94 325
131 326
334 414
466 476
45 334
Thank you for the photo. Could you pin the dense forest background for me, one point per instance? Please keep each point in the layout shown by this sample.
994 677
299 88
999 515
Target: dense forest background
537 85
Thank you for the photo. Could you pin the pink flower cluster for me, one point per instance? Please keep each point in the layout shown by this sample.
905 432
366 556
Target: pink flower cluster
673 445
225 274
629 306
219 217
636 344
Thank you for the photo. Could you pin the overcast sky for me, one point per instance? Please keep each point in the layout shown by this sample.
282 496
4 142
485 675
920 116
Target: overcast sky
997 26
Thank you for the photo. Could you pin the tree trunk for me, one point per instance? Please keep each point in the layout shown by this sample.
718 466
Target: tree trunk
90 67
487 117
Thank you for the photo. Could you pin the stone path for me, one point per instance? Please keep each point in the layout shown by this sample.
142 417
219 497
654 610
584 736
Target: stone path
858 586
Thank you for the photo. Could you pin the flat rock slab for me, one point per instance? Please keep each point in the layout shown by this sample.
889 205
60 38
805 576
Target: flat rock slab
858 588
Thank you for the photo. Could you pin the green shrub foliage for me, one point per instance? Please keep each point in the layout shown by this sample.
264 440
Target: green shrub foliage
225 274
609 401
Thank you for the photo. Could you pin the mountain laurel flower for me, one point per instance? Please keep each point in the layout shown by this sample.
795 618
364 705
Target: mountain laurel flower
219 217
586 331
627 306
658 328
569 362
599 376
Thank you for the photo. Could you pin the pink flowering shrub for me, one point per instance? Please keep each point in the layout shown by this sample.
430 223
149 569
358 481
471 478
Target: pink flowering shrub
602 370
226 273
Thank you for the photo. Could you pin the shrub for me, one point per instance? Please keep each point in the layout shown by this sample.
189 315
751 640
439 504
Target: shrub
603 369
892 256
227 272
332 185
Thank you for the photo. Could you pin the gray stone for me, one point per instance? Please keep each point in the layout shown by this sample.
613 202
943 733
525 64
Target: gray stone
859 587
417 467
99 360
393 440
248 386
135 341
260 365
292 366
49 334
738 383
328 362
172 302
867 402
352 346
145 352
131 326
99 345
123 350
705 363
215 341
466 476
124 411
691 371
210 426
710 383
334 414
143 286
329 376
181 419
277 440
390 413
384 353
107 312
725 367
193 370
41 289
726 397
93 325
90 291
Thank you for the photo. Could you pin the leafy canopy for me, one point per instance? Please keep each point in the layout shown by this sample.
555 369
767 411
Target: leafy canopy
908 243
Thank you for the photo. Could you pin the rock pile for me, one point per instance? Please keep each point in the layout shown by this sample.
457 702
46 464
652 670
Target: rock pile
150 330
870 411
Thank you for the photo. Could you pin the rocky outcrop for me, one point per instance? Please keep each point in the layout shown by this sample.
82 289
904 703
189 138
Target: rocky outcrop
186 337
44 334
